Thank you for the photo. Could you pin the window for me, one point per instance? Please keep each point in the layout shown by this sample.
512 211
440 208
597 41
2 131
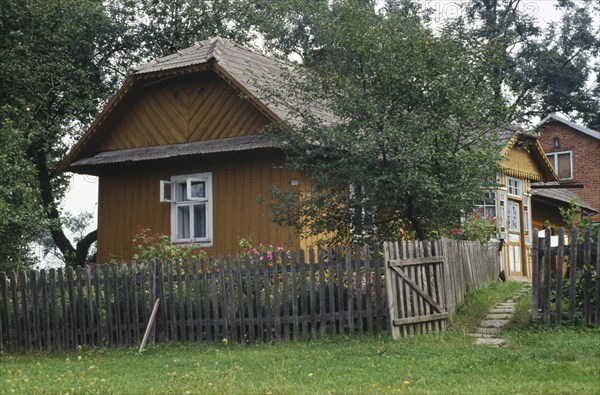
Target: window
487 207
562 162
527 224
515 187
191 207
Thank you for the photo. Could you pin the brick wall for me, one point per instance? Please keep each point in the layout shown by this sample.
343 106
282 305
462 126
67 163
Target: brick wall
586 158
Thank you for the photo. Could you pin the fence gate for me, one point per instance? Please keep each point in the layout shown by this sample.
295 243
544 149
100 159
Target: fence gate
415 289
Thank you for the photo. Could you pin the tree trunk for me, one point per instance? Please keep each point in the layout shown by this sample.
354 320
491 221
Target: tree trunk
72 256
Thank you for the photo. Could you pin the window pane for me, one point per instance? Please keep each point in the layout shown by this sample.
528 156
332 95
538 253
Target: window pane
183 222
198 189
181 191
564 166
200 220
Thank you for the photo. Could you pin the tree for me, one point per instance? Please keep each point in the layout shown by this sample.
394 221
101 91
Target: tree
541 71
414 139
52 76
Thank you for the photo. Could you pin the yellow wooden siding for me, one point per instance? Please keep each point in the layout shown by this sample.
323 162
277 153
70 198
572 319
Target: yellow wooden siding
195 107
130 200
518 163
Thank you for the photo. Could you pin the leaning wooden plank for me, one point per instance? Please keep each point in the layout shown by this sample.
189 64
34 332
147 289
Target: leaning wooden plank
149 326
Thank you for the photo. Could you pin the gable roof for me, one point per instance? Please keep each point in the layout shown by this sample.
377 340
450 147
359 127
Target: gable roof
512 134
255 75
554 117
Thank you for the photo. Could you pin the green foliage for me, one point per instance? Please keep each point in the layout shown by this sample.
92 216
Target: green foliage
415 132
147 245
540 70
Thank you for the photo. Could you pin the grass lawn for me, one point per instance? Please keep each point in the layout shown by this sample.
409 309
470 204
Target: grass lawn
535 360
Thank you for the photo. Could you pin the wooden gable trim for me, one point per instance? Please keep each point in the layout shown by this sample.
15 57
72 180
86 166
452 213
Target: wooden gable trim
130 83
538 156
87 136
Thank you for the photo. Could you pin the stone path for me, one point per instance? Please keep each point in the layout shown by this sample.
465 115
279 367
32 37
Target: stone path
490 328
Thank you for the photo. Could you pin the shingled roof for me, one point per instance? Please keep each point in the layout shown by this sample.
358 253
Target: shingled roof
261 75
260 78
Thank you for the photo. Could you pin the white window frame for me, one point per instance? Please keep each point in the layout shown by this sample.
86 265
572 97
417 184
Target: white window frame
553 158
189 201
516 190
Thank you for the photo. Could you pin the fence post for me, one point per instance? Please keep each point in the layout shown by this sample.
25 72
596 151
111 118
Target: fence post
535 275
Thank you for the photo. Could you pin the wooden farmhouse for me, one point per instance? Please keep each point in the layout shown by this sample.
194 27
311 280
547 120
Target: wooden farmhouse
511 204
177 151
528 196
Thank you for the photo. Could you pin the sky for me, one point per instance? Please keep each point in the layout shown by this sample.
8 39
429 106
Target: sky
83 192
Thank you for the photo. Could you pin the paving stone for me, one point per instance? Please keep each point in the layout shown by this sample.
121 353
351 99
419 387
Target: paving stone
506 304
493 323
502 311
499 316
490 342
486 335
489 331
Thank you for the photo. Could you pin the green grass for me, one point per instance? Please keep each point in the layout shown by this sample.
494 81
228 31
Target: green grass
535 360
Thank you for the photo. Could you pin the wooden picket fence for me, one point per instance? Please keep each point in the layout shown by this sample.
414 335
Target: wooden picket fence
246 299
566 277
425 282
